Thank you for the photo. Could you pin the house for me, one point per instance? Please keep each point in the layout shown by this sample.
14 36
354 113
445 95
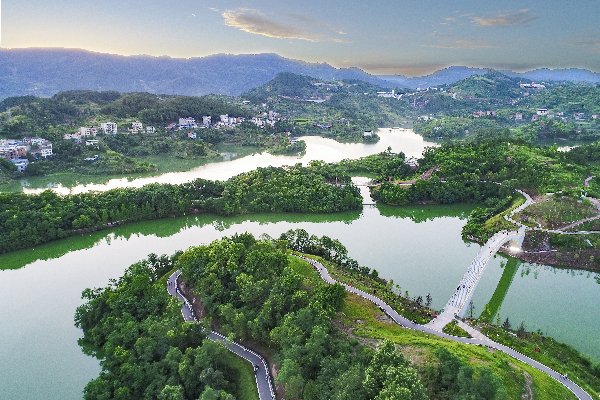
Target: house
579 116
109 128
92 159
187 123
206 120
534 117
367 133
542 111
83 131
491 113
20 163
136 126
150 129
478 114
518 117
91 142
75 136
94 130
9 154
191 135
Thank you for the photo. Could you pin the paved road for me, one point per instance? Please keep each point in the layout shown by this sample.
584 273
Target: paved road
478 338
263 378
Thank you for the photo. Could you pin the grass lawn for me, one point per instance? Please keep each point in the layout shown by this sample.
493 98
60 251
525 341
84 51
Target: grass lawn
557 212
245 380
362 320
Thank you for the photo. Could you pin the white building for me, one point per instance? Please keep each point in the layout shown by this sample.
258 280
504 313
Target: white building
109 128
136 126
46 149
83 131
206 120
150 129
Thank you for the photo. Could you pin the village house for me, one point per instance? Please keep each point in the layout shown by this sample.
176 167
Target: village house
109 128
187 123
20 163
136 126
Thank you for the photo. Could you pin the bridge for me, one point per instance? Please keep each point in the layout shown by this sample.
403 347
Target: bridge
466 287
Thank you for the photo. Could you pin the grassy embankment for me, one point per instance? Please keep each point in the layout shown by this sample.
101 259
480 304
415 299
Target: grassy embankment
363 321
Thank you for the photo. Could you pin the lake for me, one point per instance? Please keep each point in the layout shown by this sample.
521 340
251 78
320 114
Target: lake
420 248
317 148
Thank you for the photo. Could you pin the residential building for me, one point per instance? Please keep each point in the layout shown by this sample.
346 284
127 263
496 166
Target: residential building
21 163
109 128
542 111
150 129
83 131
187 123
136 126
206 120
518 117
46 150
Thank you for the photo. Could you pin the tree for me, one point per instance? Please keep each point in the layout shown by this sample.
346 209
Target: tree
389 377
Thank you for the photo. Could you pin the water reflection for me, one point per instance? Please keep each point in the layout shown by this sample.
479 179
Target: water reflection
317 148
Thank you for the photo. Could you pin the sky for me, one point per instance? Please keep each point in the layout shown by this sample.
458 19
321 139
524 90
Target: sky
381 37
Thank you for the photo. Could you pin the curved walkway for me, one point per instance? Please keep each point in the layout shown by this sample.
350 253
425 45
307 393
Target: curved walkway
478 338
262 376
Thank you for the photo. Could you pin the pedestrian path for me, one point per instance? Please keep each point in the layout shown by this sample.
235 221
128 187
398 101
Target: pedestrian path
466 287
261 368
477 339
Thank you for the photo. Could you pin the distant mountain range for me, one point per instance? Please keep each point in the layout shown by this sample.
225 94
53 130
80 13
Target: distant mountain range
44 72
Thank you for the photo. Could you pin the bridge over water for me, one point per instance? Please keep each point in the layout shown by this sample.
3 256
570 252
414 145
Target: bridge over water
466 287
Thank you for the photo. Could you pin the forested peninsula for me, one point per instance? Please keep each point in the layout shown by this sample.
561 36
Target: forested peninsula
28 220
320 341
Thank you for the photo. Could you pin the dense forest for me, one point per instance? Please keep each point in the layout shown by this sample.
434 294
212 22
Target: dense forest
29 220
252 291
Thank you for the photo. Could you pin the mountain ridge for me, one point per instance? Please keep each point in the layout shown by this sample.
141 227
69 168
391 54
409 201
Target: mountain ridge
44 72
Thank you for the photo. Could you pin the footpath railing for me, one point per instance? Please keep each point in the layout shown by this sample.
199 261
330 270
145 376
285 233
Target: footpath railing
236 348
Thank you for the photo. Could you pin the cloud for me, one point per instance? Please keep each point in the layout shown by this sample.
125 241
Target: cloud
592 45
291 26
586 43
521 18
453 42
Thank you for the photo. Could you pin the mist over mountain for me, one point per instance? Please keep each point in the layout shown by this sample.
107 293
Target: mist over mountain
45 71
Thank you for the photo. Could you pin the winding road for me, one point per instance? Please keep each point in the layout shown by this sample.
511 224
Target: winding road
478 337
263 378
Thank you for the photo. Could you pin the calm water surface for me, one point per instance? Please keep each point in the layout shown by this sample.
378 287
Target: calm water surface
317 148
418 247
